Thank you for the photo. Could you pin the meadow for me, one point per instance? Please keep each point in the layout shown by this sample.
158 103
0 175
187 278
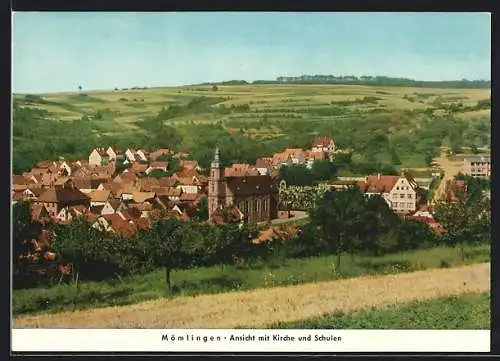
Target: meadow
401 126
212 280
457 312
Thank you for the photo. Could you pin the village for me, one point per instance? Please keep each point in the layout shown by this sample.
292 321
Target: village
124 202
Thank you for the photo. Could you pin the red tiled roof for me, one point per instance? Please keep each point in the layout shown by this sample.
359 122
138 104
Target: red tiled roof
263 162
139 168
322 141
188 164
148 183
19 180
61 195
131 213
190 197
240 170
99 196
167 182
378 184
280 158
252 185
316 155
293 152
158 153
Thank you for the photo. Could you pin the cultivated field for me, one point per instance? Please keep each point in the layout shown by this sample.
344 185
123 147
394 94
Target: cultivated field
264 307
396 126
132 105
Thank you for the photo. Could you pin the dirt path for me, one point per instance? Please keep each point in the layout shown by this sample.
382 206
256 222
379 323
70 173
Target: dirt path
257 308
450 169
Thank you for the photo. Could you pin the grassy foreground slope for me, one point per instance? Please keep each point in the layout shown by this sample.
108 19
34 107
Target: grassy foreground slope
266 306
466 311
208 280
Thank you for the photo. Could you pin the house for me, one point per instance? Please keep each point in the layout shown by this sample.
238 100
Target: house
402 193
189 184
189 165
255 196
163 166
21 180
55 199
297 155
312 157
148 183
233 214
240 170
98 156
130 155
61 182
127 193
427 218
153 156
130 213
171 193
96 210
64 169
121 226
323 144
126 177
69 212
39 212
139 169
453 189
281 159
102 224
32 193
88 184
167 182
142 155
141 197
264 165
144 208
113 206
112 153
477 166
99 197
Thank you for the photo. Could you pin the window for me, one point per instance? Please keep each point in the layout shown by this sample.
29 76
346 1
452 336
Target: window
408 205
410 196
397 188
256 205
401 205
401 195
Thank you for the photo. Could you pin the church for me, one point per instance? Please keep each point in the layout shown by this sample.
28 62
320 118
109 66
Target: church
256 196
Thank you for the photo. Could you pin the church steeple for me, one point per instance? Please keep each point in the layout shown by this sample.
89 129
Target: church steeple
216 160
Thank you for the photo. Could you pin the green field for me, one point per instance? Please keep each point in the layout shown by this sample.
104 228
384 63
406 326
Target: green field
277 272
389 125
467 311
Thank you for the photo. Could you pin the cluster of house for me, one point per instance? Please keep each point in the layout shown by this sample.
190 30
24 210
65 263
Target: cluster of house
127 201
323 147
122 202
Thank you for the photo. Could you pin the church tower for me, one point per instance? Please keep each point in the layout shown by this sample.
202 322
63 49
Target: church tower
216 185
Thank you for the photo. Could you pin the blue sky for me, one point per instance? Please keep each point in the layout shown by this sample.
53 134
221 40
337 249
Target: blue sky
59 51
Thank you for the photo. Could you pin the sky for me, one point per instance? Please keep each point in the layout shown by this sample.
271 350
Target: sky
58 51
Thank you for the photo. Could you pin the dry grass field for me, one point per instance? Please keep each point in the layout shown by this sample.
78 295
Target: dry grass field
262 307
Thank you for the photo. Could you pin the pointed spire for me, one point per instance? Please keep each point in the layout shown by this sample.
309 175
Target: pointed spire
216 161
